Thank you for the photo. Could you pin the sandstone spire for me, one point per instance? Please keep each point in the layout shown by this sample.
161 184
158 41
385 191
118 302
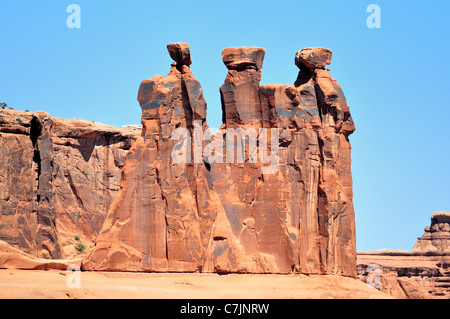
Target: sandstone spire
294 215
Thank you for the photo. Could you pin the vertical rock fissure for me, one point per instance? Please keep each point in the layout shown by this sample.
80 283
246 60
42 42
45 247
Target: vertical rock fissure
35 132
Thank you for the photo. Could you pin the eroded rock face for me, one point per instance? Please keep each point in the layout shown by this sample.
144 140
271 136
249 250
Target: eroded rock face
436 239
298 217
313 58
58 181
166 214
423 273
406 275
294 214
180 53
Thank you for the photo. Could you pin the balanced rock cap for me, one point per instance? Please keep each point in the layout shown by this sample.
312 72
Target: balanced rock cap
441 217
180 53
239 58
313 58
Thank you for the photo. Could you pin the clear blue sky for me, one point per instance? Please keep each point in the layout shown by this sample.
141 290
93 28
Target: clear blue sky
394 79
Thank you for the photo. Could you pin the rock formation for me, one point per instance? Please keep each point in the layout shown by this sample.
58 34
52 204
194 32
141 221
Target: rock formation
406 275
59 179
299 217
436 239
162 219
423 273
243 214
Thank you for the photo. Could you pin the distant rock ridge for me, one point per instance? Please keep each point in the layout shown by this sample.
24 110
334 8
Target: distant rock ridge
423 273
436 239
236 217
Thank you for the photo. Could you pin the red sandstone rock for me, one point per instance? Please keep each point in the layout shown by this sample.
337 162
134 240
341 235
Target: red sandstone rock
292 226
240 92
436 239
180 53
243 58
233 217
162 219
406 275
313 58
60 178
13 258
422 273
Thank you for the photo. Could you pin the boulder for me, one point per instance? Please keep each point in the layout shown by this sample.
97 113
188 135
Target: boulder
313 58
241 213
239 58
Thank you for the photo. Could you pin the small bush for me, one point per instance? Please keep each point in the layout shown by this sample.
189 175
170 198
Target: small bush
80 247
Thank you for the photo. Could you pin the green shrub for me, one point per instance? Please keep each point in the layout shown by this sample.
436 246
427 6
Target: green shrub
80 247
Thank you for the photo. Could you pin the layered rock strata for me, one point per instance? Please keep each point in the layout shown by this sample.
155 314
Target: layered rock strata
59 178
406 275
423 273
436 239
239 213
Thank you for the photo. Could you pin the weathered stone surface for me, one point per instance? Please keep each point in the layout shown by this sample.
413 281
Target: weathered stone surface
240 92
18 181
58 181
180 53
166 215
313 58
13 258
302 214
282 205
423 273
225 216
406 275
239 58
436 239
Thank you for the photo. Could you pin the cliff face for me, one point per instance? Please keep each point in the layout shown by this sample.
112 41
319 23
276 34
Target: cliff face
436 239
58 180
282 204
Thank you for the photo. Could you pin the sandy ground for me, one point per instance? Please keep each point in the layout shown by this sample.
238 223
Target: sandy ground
57 284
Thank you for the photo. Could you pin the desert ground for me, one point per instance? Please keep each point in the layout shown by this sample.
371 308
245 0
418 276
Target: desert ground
55 284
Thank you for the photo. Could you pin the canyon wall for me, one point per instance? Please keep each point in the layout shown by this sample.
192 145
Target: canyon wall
57 181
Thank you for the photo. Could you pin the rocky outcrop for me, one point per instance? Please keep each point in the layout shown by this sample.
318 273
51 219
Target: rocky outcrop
297 214
287 210
14 258
436 239
406 275
163 217
313 58
423 273
58 180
